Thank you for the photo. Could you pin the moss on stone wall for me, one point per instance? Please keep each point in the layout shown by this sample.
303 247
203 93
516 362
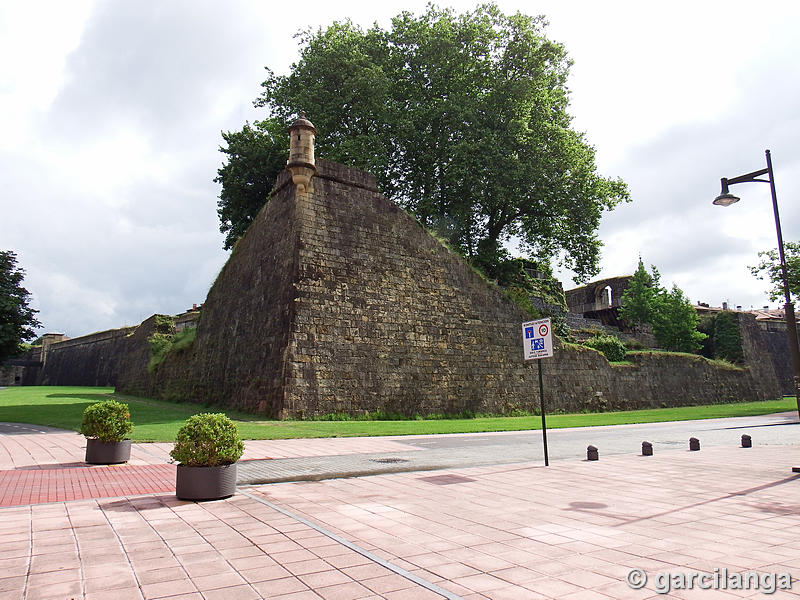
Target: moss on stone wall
540 296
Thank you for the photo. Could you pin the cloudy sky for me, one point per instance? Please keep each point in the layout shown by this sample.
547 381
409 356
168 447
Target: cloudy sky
111 114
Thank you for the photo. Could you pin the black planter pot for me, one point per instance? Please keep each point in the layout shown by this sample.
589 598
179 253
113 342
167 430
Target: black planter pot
205 483
107 453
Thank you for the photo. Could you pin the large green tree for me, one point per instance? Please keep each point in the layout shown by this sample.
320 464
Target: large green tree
675 321
672 317
461 117
638 299
255 156
770 269
727 339
17 319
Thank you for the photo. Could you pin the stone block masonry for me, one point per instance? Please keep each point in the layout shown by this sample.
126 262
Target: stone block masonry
386 317
238 356
92 359
778 349
336 300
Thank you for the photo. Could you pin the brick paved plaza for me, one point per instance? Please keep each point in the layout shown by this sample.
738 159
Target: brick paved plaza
571 531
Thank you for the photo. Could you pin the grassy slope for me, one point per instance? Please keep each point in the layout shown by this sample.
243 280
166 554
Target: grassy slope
155 420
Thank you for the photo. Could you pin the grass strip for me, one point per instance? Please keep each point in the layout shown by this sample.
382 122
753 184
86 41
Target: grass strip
159 421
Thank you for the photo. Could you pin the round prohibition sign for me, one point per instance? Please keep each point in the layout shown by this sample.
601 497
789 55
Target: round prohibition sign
543 330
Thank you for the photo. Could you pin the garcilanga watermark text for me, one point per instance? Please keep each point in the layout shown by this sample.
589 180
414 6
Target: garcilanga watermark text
718 579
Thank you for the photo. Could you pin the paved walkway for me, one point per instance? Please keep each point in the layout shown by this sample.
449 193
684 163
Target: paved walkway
571 531
23 446
60 453
33 486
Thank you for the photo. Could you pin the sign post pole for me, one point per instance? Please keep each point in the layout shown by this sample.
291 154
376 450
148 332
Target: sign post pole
544 425
537 343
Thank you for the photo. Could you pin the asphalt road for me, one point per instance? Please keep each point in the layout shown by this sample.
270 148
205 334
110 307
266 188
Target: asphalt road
472 450
782 428
24 428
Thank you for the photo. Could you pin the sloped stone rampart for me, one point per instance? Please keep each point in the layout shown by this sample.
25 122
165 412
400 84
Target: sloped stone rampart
336 300
239 351
237 358
388 319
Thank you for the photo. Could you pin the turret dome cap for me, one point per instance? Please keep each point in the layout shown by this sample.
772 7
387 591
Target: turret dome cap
303 123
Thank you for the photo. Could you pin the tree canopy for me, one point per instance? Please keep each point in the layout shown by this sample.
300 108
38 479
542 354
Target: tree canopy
463 120
17 319
727 339
672 317
256 155
770 269
675 321
638 299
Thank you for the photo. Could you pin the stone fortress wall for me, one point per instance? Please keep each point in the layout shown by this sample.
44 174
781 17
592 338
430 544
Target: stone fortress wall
336 300
88 360
777 348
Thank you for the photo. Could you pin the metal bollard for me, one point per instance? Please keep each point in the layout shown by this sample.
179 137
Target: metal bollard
647 449
747 441
591 453
694 444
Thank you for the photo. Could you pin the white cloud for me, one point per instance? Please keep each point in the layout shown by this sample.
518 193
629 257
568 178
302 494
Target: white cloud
111 113
35 39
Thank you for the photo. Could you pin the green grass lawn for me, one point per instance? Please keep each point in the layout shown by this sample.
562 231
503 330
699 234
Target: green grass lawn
158 421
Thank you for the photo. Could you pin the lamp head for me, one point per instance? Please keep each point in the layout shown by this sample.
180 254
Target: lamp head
725 198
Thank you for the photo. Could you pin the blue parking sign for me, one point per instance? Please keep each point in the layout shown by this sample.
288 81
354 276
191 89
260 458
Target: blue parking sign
537 339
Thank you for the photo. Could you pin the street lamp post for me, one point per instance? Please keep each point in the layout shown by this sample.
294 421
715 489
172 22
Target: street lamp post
726 199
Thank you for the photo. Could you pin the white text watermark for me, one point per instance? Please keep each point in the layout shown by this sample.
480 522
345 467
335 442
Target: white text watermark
718 579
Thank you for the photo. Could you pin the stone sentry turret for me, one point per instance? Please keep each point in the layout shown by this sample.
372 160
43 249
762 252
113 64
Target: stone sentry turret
301 152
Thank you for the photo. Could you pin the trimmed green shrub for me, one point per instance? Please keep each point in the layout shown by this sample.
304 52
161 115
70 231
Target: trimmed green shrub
611 347
108 421
207 440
